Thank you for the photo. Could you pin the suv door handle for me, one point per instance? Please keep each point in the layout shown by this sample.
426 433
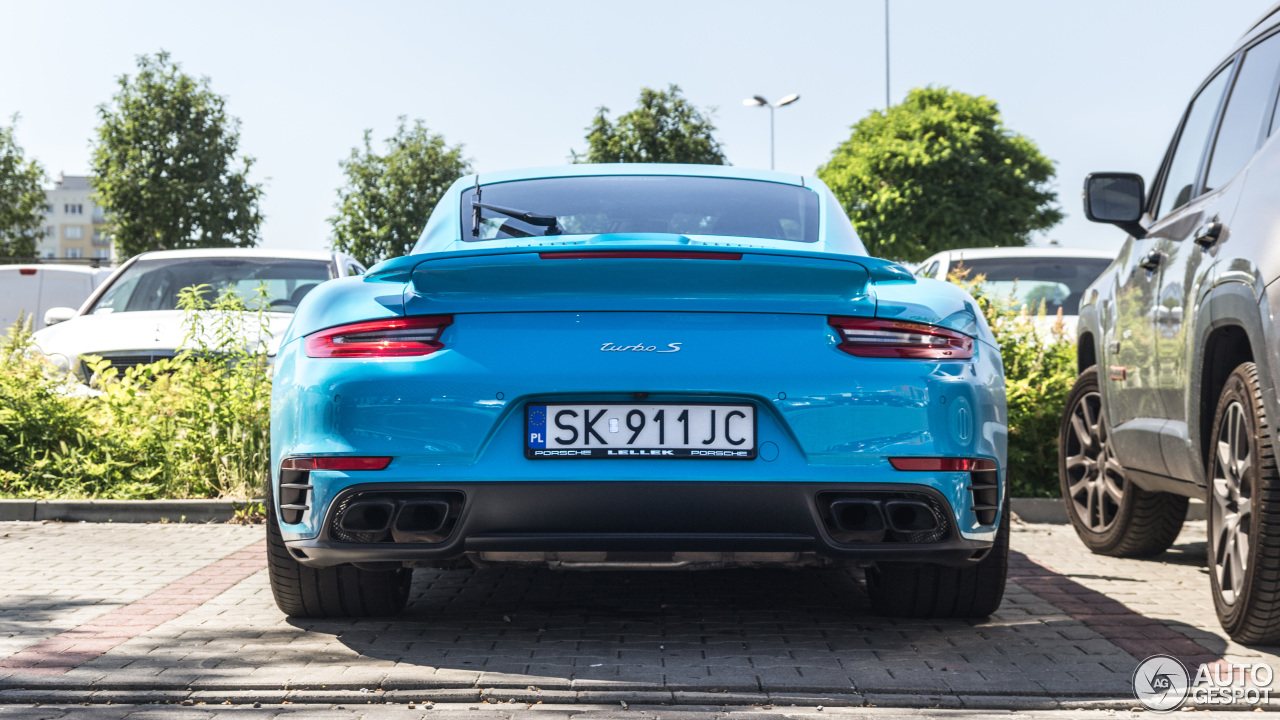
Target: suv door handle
1208 234
1152 260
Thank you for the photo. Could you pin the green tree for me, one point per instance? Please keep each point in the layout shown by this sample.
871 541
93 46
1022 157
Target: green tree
664 128
166 165
21 198
387 198
940 171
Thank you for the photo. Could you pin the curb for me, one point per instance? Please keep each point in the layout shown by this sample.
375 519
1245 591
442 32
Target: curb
1052 511
1029 510
121 511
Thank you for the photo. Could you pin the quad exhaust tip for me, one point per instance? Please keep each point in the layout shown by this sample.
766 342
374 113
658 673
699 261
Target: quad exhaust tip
889 519
396 516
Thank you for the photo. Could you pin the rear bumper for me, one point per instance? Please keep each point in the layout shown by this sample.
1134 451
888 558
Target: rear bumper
649 517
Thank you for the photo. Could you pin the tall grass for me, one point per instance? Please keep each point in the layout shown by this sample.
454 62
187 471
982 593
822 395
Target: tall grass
194 426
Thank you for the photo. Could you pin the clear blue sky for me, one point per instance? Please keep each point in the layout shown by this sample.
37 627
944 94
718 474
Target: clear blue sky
1098 84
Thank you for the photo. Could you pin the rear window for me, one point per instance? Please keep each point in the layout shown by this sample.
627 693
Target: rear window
645 204
154 284
1057 282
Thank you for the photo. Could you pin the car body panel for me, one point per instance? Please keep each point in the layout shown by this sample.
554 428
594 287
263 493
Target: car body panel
529 327
31 290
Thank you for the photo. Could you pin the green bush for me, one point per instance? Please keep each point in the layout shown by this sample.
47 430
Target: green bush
198 425
1039 370
190 427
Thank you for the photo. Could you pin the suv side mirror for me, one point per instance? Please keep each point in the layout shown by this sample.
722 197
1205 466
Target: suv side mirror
1115 198
55 315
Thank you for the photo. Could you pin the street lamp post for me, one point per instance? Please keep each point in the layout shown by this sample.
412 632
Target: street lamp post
759 101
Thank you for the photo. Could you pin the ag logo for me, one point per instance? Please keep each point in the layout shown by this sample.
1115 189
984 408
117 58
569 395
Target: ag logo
1161 683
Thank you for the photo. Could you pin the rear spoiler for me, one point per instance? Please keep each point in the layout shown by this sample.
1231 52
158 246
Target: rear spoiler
654 279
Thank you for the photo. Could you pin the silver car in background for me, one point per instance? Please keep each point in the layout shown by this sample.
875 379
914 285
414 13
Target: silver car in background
133 317
1052 276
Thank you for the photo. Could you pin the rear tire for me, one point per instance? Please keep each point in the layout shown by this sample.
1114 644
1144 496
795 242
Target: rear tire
344 591
1110 514
1244 513
935 591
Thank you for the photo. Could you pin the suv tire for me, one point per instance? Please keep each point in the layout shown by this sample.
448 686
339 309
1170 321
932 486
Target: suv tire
344 591
1111 515
911 590
1244 509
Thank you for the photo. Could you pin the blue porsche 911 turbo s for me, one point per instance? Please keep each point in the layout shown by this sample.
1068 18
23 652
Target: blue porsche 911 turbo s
638 366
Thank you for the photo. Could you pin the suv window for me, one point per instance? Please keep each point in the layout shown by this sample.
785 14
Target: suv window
1243 120
1181 177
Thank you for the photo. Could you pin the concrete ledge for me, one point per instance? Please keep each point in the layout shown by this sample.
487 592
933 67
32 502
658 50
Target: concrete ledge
121 511
1054 512
17 509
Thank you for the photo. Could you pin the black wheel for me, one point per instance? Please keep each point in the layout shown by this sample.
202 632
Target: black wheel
1244 513
914 590
304 592
1111 515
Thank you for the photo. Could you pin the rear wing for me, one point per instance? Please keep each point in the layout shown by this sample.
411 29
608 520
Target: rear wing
646 279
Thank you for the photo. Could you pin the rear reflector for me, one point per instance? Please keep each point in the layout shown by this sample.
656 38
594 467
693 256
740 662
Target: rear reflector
26 271
951 464
867 337
396 337
346 462
639 255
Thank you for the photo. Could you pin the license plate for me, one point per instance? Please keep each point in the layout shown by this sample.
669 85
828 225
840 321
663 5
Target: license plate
638 430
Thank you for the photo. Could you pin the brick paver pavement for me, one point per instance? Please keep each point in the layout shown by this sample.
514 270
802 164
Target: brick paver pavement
543 712
1070 628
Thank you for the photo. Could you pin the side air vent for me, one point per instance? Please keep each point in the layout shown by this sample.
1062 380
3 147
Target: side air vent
985 486
295 495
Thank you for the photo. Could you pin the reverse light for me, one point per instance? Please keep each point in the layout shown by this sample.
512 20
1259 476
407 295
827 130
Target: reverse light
336 462
942 464
866 337
395 337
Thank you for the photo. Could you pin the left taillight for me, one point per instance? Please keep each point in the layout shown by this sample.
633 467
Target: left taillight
395 337
867 337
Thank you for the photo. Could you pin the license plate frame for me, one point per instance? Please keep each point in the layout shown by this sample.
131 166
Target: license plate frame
633 453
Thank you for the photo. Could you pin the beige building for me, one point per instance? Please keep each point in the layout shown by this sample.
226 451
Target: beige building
73 225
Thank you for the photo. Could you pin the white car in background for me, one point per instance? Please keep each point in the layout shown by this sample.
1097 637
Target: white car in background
133 318
30 290
1031 275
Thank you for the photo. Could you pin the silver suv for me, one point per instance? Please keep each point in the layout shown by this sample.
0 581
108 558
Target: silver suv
1180 348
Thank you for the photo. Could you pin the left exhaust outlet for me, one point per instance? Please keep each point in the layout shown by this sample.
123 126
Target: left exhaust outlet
368 516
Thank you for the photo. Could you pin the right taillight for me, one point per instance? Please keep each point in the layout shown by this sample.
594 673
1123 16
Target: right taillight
867 337
394 337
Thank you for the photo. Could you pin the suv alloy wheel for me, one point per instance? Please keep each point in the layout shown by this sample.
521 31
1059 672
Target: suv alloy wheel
1244 499
1111 515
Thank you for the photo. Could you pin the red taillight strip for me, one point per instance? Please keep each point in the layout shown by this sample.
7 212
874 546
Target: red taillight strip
336 462
942 464
868 337
396 337
638 255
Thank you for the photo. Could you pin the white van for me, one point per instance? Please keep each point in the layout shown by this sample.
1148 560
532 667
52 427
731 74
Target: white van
34 289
